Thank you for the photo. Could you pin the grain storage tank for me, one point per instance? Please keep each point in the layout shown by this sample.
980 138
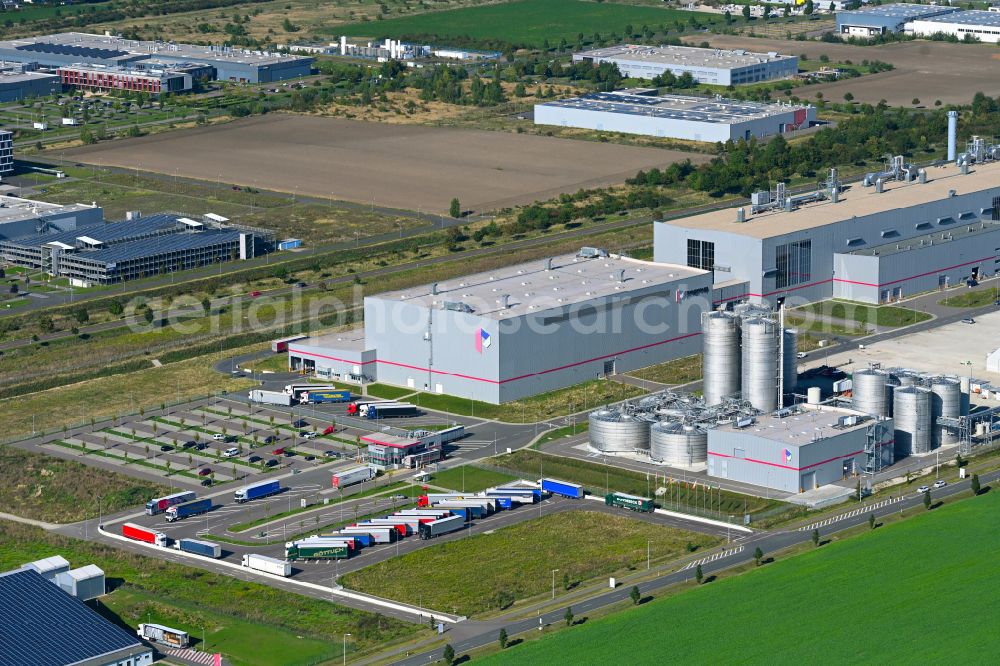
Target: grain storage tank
676 443
912 417
790 360
760 363
966 385
614 432
870 392
721 347
946 400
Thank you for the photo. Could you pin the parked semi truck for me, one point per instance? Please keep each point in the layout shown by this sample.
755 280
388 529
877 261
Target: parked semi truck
377 533
181 511
199 547
356 407
267 564
564 488
353 475
144 534
270 397
157 633
389 411
257 490
632 502
401 527
161 504
318 397
363 540
316 549
441 526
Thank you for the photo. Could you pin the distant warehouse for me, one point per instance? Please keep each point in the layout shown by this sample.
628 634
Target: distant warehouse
675 116
19 81
978 25
119 251
882 19
714 66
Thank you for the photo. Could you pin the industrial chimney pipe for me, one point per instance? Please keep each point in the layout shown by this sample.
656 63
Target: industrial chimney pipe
952 135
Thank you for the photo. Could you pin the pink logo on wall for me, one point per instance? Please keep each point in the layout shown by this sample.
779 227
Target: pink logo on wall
483 340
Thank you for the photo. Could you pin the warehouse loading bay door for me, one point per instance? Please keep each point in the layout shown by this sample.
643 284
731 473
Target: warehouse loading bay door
808 481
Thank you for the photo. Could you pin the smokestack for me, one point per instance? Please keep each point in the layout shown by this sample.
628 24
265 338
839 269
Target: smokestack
434 288
505 301
879 185
922 174
343 45
741 215
835 195
952 135
548 264
621 275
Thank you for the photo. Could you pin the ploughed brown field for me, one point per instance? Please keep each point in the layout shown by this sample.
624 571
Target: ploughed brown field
397 166
924 70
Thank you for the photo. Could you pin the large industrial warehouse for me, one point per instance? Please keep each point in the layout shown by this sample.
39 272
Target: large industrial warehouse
675 116
910 231
979 25
24 217
19 81
878 20
522 330
227 63
714 66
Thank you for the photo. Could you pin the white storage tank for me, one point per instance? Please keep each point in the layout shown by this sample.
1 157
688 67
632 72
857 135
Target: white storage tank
760 363
676 443
790 361
614 432
946 400
870 392
721 356
912 417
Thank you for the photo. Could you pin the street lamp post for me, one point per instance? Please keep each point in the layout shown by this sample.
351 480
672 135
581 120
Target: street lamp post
554 583
345 648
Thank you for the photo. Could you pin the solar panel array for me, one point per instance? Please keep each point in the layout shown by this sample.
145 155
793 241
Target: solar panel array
76 51
673 106
40 625
106 233
160 245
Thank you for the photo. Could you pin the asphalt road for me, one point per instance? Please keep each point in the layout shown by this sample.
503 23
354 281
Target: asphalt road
464 636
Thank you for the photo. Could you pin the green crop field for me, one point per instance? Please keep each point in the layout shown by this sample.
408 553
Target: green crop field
933 577
252 624
468 478
527 23
490 571
42 487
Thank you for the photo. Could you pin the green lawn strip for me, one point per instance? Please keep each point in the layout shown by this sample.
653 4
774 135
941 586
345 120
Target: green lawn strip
203 452
788 589
439 576
243 527
467 478
387 391
559 433
127 461
598 478
53 489
247 621
278 426
972 299
678 371
886 315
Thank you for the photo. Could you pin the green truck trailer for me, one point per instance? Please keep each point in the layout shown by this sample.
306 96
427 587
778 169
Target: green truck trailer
631 502
316 550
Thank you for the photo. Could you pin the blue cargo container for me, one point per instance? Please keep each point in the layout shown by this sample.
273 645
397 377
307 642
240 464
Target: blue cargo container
564 488
319 397
289 244
199 547
256 491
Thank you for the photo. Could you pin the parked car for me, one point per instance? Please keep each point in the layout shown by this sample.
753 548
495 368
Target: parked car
287 453
231 452
301 423
278 451
800 355
309 435
270 439
310 457
188 444
166 447
254 459
329 429
331 454
971 283
204 471
218 437
968 320
206 482
254 294
296 471
923 489
940 483
398 497
202 446
271 463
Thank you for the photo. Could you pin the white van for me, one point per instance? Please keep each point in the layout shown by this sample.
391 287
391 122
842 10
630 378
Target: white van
231 452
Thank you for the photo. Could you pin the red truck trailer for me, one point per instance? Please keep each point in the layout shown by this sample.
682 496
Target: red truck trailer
144 534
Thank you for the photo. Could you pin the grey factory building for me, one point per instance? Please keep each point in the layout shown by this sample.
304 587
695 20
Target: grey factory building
42 625
6 152
228 63
912 230
714 66
24 217
522 330
19 81
135 248
800 448
979 25
675 116
881 19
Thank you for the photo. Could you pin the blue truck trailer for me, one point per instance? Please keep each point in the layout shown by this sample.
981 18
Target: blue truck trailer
256 491
319 397
181 511
200 547
564 488
469 512
360 540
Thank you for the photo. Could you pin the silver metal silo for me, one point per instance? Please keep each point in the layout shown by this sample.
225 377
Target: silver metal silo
721 365
614 432
912 417
870 392
946 400
675 443
790 360
760 363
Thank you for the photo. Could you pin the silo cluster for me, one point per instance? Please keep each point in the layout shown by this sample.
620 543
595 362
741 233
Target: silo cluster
911 409
946 400
675 443
759 383
612 431
721 364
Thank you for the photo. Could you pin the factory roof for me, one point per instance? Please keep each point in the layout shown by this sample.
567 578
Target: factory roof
110 232
975 17
104 47
679 107
42 625
533 287
85 572
801 425
350 340
13 209
392 441
690 56
47 564
18 75
947 230
902 11
151 247
857 201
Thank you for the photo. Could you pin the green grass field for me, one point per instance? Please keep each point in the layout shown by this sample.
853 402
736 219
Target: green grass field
527 23
42 487
886 315
252 624
972 299
388 392
468 478
933 576
471 576
678 371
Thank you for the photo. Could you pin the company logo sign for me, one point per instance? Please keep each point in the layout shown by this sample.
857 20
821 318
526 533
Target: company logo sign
788 455
483 340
